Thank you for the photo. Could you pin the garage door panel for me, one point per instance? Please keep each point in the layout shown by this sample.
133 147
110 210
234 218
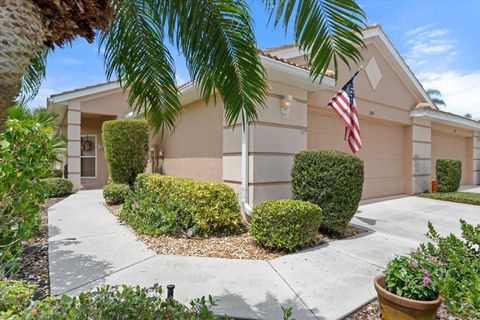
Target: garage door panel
382 152
380 187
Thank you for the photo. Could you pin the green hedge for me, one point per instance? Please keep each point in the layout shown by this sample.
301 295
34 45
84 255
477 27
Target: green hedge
15 295
57 187
331 179
164 204
449 175
54 173
115 193
112 302
125 144
285 224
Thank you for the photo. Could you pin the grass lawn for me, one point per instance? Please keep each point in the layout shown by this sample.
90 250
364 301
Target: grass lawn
461 197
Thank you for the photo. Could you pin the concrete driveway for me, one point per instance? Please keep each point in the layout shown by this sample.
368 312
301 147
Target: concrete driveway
88 247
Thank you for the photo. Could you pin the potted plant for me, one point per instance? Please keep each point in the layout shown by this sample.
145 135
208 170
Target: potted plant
406 290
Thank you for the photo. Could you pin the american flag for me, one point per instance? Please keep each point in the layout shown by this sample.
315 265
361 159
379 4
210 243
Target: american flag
344 105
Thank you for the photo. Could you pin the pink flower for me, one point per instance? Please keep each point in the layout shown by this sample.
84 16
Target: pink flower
426 281
426 272
414 265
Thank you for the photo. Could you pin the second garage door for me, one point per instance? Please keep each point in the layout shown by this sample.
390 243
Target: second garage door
382 152
449 146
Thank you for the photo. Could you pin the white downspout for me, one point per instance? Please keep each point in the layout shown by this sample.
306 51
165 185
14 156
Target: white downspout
245 166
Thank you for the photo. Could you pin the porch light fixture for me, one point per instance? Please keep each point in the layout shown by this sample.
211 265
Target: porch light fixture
285 104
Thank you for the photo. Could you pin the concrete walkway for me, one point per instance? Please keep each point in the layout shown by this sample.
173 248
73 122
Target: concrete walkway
88 247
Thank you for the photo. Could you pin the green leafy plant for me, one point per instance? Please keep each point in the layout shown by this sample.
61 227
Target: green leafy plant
331 179
125 145
54 173
29 147
115 193
460 197
57 187
412 277
285 224
458 278
162 204
449 175
14 297
119 302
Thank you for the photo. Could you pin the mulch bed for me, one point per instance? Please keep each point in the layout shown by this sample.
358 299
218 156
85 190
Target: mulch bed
372 312
239 246
34 259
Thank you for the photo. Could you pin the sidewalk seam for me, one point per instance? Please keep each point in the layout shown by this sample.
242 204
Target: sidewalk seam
87 236
291 288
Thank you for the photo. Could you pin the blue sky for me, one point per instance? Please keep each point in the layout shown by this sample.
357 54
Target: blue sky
437 38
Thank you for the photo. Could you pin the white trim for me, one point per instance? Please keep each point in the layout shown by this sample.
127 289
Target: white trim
284 73
288 53
88 135
65 97
447 118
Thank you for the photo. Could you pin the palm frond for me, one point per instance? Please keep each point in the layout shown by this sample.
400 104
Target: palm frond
434 93
135 52
33 77
217 40
330 30
436 97
438 102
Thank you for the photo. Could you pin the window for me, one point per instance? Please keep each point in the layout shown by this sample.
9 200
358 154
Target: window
88 156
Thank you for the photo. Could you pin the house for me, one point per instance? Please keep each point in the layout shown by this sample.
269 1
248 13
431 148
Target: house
403 132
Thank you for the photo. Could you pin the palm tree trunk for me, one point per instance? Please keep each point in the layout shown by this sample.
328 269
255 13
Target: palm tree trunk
21 37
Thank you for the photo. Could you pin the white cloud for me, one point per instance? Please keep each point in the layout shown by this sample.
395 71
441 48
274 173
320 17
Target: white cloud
460 90
427 41
70 61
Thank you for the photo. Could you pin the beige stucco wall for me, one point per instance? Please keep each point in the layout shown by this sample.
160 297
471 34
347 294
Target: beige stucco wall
453 143
194 149
113 103
274 140
385 124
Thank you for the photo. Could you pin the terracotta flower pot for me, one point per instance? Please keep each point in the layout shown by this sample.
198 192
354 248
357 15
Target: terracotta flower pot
394 307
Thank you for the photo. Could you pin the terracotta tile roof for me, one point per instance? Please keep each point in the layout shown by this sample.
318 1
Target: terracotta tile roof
281 47
330 73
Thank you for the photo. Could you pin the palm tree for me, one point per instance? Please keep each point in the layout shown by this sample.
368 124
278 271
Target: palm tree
436 97
215 36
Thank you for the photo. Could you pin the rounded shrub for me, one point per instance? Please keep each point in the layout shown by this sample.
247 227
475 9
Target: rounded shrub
331 179
125 144
449 175
57 187
164 204
285 224
115 193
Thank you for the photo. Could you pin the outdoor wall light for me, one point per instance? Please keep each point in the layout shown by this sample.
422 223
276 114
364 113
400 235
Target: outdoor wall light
285 104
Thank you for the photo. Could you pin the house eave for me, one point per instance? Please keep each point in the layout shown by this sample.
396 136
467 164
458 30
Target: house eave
446 118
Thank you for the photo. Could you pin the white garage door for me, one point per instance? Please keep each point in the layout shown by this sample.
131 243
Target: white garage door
382 152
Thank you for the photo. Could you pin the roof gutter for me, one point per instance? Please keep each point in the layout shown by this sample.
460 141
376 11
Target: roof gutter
447 118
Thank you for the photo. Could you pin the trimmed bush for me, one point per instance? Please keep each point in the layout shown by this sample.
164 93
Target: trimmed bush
115 193
15 295
331 179
119 302
449 175
285 224
57 187
125 145
164 204
54 173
